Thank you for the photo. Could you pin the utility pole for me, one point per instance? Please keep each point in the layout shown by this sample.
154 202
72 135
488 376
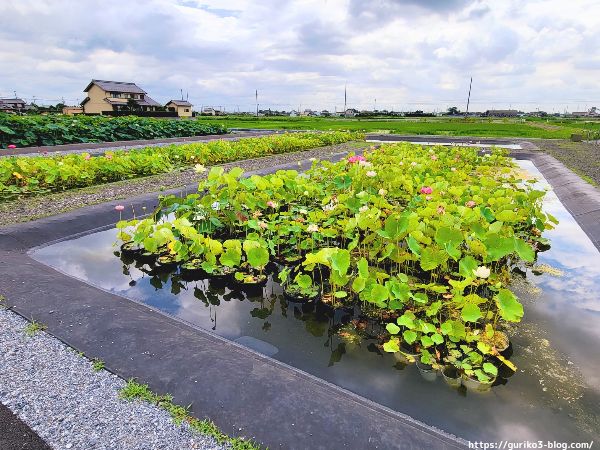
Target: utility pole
345 101
469 97
256 98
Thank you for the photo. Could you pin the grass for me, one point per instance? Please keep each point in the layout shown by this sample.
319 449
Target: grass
98 365
552 128
136 391
34 327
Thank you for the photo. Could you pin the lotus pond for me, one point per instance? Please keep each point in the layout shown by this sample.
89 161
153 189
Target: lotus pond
421 278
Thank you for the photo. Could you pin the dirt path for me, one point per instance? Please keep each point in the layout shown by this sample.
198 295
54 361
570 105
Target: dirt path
583 158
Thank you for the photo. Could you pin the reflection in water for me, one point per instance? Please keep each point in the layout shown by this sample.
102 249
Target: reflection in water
554 396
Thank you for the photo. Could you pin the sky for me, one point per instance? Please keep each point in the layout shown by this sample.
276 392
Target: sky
390 54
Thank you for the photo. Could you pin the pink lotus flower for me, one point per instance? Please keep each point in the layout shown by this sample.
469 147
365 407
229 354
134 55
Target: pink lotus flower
441 210
12 146
426 190
428 197
119 207
271 204
87 157
356 158
108 156
470 204
434 157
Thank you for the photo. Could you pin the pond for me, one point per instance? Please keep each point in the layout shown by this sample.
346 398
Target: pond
555 394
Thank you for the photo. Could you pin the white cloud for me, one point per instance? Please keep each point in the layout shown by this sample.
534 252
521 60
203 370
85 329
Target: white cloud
405 53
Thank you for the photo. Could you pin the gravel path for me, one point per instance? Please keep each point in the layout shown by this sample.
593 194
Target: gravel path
583 158
58 394
26 209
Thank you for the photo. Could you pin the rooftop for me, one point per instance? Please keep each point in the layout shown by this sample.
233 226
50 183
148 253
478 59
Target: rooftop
116 86
10 101
180 102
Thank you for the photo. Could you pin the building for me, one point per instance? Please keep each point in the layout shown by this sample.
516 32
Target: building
72 110
208 111
12 104
107 96
183 108
592 112
501 113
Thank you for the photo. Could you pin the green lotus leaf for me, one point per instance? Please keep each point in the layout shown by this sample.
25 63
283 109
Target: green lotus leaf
391 346
363 267
490 368
432 258
379 293
413 245
498 246
340 261
510 308
409 336
257 257
487 214
392 328
524 250
437 338
358 284
406 320
450 236
467 265
426 341
471 313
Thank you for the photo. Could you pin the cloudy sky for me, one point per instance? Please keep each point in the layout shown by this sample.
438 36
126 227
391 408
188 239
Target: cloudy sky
400 54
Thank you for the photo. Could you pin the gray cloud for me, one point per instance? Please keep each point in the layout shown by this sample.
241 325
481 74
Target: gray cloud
405 53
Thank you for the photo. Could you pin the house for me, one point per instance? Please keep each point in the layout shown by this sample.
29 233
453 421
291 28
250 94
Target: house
208 111
11 104
592 112
107 96
72 110
183 108
501 113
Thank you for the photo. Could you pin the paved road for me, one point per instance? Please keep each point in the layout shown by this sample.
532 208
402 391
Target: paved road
15 435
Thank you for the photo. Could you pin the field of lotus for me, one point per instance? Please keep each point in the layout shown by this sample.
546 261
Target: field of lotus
24 131
21 176
419 241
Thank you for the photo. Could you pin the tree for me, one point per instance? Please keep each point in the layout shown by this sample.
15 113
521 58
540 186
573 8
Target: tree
453 111
132 105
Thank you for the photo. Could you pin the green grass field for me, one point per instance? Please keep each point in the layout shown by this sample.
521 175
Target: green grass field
527 128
